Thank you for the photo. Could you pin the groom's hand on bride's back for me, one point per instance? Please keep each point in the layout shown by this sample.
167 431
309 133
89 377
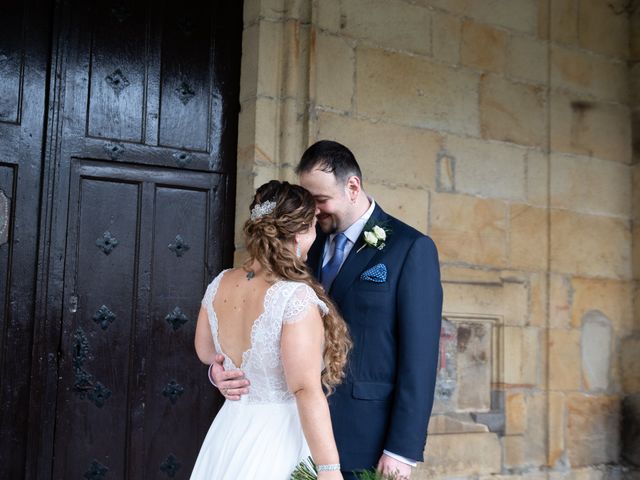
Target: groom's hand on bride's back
231 384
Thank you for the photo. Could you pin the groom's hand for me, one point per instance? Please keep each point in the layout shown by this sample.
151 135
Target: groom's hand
231 384
391 466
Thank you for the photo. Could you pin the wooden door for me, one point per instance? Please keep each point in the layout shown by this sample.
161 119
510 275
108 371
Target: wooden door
141 220
24 53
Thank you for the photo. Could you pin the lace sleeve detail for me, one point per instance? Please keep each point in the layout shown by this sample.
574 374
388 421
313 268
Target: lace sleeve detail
212 288
298 304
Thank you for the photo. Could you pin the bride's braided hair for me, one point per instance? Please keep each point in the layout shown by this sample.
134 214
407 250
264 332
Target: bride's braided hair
269 239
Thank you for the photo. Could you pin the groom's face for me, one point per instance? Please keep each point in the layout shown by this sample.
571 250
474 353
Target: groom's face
332 199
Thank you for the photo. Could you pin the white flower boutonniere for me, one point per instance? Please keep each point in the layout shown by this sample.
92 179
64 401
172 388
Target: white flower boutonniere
374 237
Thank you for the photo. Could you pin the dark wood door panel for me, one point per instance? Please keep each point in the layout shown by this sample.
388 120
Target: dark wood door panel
155 74
24 49
132 296
122 213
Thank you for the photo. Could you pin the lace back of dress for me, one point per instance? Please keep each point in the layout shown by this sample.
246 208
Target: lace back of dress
285 302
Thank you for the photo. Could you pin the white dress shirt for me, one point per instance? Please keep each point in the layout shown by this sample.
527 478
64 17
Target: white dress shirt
353 233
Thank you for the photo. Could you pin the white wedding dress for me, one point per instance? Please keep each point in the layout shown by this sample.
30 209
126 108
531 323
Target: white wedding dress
258 437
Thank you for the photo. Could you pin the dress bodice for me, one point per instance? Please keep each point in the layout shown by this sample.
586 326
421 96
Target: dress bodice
284 302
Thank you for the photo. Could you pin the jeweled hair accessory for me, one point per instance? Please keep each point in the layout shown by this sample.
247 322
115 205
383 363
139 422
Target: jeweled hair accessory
262 209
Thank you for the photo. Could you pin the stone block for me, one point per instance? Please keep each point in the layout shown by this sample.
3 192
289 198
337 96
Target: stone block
564 359
514 448
564 21
596 351
483 47
280 9
461 423
537 173
391 24
292 125
256 140
576 70
589 473
512 112
589 245
329 15
589 128
408 204
239 255
521 348
488 169
535 436
630 359
249 62
516 414
561 294
269 46
517 15
557 428
470 275
538 299
470 230
527 60
334 71
528 237
387 153
294 67
414 91
590 185
447 33
613 298
472 298
515 303
604 27
593 429
460 454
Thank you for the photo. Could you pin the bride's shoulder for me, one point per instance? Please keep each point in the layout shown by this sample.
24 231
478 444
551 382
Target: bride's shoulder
300 295
297 287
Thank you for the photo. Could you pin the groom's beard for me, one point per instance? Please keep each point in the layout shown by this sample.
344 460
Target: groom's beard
327 224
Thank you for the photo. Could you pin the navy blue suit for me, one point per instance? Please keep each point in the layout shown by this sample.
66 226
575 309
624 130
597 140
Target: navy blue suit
386 399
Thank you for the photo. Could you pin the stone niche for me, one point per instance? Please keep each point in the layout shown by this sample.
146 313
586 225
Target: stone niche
468 419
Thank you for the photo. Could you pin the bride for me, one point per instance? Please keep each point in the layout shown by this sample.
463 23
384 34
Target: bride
274 322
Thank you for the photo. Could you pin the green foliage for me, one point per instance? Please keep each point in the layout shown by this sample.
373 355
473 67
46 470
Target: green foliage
306 470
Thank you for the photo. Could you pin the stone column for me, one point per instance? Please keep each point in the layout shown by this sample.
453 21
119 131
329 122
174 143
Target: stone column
274 97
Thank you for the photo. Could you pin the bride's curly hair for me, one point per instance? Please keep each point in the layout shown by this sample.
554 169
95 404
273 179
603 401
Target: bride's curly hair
269 240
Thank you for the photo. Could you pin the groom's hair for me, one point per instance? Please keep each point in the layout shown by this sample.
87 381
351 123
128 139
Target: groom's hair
330 157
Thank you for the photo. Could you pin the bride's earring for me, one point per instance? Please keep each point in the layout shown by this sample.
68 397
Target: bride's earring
298 250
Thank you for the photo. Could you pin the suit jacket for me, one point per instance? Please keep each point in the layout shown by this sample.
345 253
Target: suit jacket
386 399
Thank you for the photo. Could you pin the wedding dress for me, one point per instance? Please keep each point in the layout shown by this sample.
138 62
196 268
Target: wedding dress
259 436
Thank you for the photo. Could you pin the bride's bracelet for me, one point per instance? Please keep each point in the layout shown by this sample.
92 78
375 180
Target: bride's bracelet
328 467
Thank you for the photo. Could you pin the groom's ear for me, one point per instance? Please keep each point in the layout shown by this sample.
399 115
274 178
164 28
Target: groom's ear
354 187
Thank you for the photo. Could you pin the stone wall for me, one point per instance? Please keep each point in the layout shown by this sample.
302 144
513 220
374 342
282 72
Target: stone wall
503 129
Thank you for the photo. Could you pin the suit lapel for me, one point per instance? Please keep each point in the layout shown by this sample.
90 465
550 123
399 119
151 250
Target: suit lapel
356 261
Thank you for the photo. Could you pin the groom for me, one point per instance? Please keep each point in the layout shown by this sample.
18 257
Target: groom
384 277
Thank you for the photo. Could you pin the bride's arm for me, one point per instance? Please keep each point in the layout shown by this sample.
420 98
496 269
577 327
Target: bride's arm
203 340
301 351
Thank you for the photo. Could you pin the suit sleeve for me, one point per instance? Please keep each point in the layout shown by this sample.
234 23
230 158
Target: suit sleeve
419 316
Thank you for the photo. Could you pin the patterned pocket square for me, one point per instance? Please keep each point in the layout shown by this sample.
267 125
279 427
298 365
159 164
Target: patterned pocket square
377 273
